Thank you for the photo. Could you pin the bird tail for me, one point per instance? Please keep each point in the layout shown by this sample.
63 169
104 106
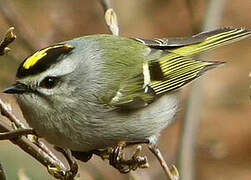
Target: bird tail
212 40
176 68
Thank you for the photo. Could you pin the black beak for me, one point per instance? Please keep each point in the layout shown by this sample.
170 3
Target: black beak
17 88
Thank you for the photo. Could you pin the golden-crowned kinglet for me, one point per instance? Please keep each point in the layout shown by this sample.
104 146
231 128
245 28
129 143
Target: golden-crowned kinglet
94 91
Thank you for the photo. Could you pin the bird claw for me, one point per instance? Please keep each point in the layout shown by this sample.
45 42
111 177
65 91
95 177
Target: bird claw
117 159
56 172
59 174
72 172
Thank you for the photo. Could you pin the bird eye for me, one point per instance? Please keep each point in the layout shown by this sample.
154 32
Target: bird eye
49 82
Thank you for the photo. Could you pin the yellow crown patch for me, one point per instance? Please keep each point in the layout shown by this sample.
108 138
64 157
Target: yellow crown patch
32 60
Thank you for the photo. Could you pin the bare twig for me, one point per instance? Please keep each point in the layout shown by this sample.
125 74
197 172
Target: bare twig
4 127
6 111
171 172
110 17
15 134
30 148
42 154
2 173
9 38
26 33
192 116
70 159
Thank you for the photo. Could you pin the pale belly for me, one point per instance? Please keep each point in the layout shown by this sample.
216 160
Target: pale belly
100 130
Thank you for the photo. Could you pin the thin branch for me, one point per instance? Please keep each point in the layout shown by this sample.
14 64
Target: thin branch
4 126
26 145
8 39
15 134
26 33
110 17
171 172
47 158
191 120
6 111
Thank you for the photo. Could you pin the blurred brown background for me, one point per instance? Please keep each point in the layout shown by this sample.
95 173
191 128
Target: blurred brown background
223 150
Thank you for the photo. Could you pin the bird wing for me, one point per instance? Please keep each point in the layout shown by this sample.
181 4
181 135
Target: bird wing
176 71
172 67
156 78
133 91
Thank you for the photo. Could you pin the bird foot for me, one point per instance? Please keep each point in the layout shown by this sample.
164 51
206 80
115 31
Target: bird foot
117 159
71 161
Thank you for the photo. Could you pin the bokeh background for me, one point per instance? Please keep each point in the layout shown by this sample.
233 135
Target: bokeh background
223 150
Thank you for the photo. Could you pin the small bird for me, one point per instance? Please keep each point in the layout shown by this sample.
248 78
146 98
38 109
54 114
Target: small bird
92 92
